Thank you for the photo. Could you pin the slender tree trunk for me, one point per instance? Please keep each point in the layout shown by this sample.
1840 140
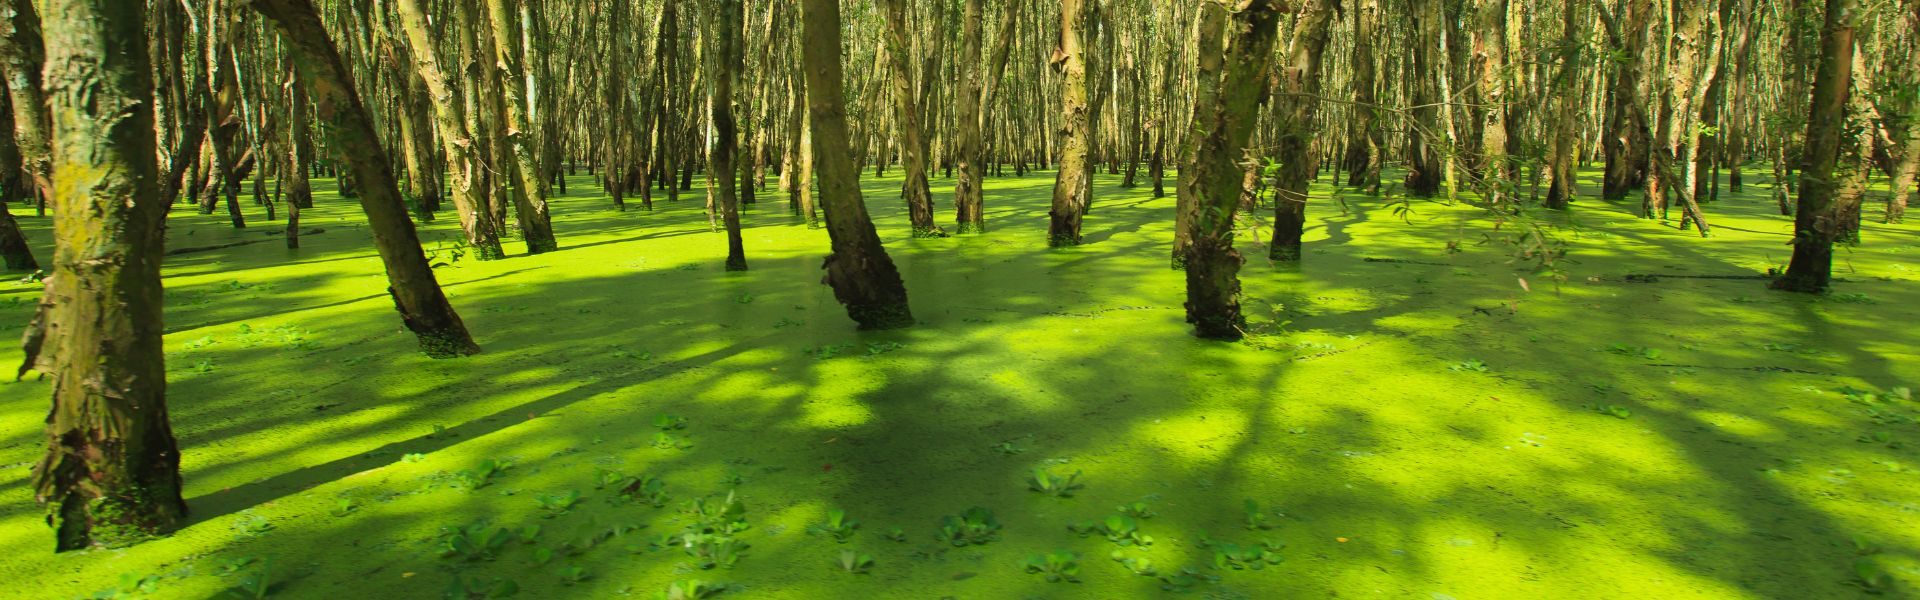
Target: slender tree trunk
469 198
1562 185
1073 184
21 58
1223 128
410 280
1628 143
222 110
530 201
1496 123
974 94
1424 171
299 150
1364 140
1817 221
913 145
863 277
1297 110
14 183
1209 29
799 171
1907 167
111 475
724 60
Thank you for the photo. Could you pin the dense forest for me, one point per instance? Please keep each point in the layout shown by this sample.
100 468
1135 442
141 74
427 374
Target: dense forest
1383 298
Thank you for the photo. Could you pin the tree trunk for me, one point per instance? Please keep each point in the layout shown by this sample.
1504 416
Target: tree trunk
410 280
1363 134
1300 81
974 95
1073 183
21 59
299 150
1562 185
111 475
913 145
530 201
724 59
1627 142
1223 128
1495 122
1424 171
1209 27
1817 221
14 183
469 199
1907 164
863 277
223 116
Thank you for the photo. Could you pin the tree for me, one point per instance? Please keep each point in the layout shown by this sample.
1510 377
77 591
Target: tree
13 182
410 280
1222 129
21 59
1073 185
530 203
1562 186
1364 140
907 115
1817 221
111 475
1497 134
724 56
1298 107
976 89
1627 141
863 277
1424 171
469 199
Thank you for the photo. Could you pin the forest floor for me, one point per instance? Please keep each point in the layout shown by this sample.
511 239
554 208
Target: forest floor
1418 429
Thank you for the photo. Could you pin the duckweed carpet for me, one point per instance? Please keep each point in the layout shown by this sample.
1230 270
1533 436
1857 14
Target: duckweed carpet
1410 421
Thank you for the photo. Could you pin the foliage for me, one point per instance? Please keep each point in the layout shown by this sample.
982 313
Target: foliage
976 526
856 563
482 474
1047 483
1056 566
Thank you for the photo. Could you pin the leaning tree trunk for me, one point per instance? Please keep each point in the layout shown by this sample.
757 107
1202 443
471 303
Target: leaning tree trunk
724 56
863 277
1223 129
223 115
1300 80
416 293
1073 185
111 475
1817 221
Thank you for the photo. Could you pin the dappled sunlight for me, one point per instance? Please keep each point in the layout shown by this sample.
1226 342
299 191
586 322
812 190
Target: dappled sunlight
1420 428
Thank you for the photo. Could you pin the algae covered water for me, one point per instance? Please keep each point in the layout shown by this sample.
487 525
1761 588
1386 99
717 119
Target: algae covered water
1416 416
